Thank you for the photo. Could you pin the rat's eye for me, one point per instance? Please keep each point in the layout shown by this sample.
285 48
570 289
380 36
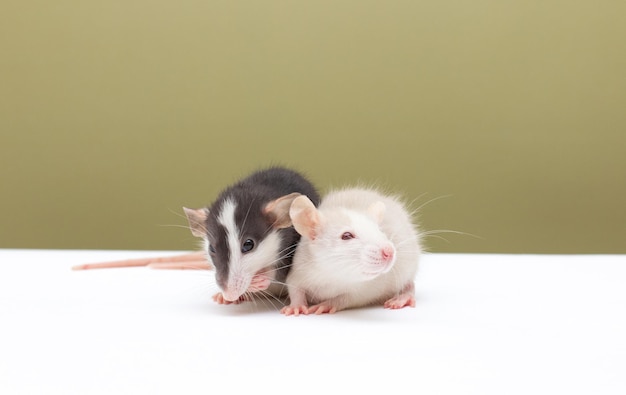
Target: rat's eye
211 249
247 245
347 236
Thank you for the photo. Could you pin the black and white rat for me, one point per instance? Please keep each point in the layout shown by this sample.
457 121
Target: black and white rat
360 247
247 232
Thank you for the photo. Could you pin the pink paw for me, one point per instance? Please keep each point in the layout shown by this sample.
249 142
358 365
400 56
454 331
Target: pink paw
259 282
219 299
322 309
294 310
400 301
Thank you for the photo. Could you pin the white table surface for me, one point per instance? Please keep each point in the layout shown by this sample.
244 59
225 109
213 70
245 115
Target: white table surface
483 324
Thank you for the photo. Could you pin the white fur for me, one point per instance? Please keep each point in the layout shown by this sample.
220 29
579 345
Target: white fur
327 268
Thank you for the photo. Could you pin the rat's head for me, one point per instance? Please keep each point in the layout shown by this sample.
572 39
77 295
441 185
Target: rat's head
242 240
348 243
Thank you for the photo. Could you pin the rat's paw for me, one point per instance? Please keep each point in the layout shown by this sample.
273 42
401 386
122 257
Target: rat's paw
294 310
322 309
219 299
400 301
259 282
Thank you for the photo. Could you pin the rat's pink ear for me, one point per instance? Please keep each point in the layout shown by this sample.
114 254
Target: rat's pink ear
305 217
377 211
197 220
278 210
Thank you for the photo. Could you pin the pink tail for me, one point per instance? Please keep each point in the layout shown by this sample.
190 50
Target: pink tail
186 261
191 265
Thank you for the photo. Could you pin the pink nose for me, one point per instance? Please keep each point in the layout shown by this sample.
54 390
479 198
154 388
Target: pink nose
387 253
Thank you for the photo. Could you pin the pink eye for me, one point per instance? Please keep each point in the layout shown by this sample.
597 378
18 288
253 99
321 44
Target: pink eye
347 236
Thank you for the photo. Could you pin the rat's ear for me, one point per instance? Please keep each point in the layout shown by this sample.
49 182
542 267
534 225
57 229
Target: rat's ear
305 217
377 211
278 210
197 220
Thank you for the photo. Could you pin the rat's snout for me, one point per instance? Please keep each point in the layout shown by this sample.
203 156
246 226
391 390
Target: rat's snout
230 295
387 253
387 257
379 260
238 284
235 287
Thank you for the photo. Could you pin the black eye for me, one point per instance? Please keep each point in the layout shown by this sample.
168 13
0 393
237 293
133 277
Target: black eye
247 245
211 249
347 236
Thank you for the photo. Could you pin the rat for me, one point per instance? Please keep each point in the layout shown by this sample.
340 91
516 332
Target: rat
247 235
247 232
359 248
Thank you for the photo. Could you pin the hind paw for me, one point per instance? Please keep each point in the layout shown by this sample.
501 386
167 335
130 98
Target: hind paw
322 309
400 301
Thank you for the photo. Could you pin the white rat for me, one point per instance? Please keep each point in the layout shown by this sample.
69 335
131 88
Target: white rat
360 247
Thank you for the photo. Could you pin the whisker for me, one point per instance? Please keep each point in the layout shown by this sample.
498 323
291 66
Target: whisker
243 225
431 201
438 231
178 214
440 238
279 258
186 227
270 298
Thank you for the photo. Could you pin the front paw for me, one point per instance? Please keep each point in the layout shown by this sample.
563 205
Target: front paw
295 310
219 299
259 282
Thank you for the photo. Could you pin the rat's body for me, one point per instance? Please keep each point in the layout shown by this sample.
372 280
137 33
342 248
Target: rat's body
359 248
247 232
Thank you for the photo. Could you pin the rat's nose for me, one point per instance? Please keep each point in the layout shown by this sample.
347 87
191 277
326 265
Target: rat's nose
387 253
230 295
236 286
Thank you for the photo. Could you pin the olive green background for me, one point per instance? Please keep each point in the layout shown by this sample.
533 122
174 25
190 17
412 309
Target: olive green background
511 115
